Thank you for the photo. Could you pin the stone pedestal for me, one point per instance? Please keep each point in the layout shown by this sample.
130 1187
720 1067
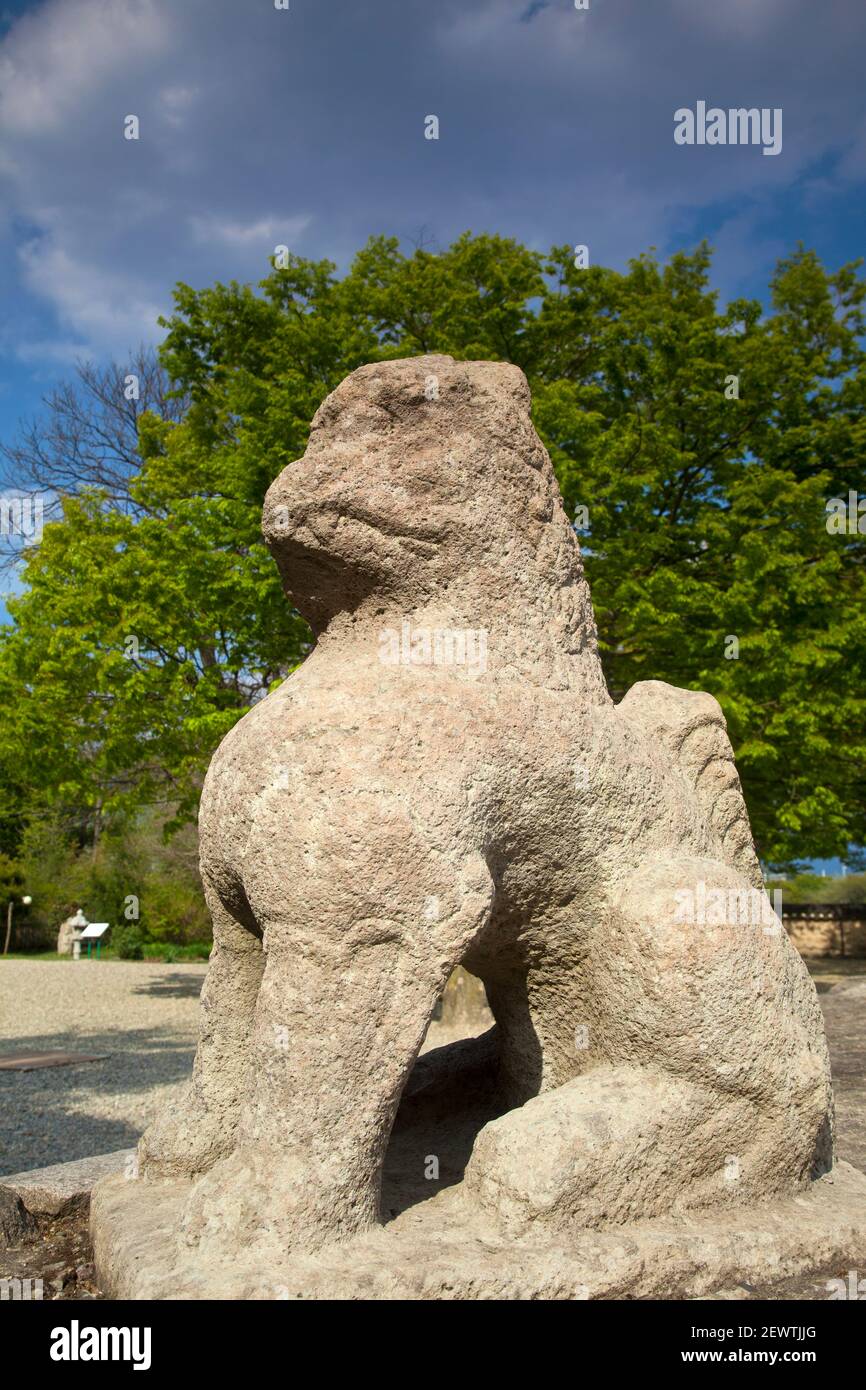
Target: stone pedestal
439 1243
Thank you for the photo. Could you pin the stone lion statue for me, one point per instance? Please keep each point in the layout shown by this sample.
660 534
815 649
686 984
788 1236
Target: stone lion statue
446 780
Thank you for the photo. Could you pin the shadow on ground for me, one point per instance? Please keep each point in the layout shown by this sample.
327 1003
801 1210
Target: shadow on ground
175 986
45 1114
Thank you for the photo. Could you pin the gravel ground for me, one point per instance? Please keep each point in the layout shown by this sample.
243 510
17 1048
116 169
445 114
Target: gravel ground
844 1008
141 1015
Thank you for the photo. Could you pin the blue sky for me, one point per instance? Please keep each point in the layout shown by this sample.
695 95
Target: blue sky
306 127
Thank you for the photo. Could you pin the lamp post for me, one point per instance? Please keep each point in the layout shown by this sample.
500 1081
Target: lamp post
26 900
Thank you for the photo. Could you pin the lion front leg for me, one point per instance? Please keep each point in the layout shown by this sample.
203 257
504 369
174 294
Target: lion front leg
357 952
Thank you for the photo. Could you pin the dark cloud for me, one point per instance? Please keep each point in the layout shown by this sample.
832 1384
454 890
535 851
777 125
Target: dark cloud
306 127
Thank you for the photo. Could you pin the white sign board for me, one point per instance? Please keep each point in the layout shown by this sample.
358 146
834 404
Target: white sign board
95 930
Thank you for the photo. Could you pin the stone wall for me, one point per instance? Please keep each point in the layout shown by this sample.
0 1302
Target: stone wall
827 929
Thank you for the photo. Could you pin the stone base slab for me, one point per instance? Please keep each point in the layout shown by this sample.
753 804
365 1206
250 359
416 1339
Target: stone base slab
442 1248
61 1190
64 1187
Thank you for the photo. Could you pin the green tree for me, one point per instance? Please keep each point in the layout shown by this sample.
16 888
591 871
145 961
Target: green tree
703 442
707 513
133 877
11 888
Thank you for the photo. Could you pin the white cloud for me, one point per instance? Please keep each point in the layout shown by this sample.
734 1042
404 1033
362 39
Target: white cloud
55 56
176 103
100 227
265 233
105 306
51 351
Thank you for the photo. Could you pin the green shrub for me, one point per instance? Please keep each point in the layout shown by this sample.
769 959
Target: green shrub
129 943
197 950
132 860
813 888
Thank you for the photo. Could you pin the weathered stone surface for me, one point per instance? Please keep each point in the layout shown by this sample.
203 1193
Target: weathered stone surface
15 1219
67 933
446 780
444 1249
64 1187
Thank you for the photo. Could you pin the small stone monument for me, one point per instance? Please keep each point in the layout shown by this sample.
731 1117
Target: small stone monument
446 780
70 932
